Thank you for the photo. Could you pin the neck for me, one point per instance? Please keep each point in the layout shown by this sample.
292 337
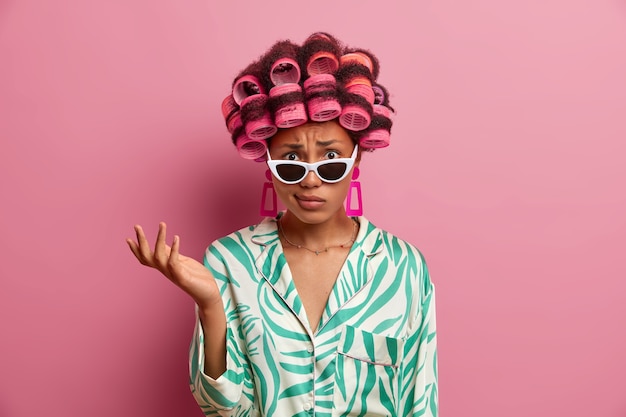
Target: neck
334 231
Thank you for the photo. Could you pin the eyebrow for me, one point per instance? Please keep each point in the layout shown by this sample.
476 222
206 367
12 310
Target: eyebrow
326 142
319 143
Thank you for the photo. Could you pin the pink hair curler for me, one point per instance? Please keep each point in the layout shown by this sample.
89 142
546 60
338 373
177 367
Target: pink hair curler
363 90
322 63
320 83
289 114
382 110
249 148
234 122
322 102
359 58
229 106
354 117
358 80
230 111
378 138
260 126
319 36
285 71
246 86
379 95
321 110
261 129
361 86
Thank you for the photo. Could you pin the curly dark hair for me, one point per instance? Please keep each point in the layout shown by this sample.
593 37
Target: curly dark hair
320 80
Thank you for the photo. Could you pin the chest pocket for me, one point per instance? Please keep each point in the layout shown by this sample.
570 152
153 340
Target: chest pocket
366 374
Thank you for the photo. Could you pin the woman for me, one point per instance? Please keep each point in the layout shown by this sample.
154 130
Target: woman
314 311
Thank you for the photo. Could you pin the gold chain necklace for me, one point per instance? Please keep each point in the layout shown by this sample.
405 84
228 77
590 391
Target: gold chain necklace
317 252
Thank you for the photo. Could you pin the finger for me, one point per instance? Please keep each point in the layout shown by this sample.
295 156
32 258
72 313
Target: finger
134 249
160 253
161 234
145 255
174 260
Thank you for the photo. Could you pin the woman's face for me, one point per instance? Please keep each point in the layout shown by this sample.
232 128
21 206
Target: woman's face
312 200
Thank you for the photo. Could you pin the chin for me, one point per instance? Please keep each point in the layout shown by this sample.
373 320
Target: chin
314 216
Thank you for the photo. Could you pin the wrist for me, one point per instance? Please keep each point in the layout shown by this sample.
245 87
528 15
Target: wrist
212 312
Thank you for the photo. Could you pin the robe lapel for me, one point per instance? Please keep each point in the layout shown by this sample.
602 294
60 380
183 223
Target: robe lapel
272 265
356 272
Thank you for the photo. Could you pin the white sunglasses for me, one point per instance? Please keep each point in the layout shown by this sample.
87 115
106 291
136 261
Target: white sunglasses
330 170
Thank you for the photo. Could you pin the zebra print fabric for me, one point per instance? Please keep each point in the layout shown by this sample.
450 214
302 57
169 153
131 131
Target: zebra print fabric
373 353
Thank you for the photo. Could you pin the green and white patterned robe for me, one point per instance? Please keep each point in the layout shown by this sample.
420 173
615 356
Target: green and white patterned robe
373 353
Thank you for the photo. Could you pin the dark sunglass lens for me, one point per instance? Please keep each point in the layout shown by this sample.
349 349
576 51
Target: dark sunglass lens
290 172
332 171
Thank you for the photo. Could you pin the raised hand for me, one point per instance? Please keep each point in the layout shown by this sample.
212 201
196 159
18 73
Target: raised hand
187 273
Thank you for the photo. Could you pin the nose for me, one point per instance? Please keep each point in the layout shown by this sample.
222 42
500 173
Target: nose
311 180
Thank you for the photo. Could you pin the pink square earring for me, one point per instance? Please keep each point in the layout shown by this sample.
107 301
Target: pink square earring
355 186
269 195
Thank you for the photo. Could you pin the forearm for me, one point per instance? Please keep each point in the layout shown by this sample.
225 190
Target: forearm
213 321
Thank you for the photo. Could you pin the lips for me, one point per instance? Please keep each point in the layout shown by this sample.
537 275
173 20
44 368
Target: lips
309 202
309 198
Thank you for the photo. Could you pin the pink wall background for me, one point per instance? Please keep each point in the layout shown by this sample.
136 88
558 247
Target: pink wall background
506 169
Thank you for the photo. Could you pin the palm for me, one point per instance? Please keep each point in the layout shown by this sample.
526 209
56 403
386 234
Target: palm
187 273
195 279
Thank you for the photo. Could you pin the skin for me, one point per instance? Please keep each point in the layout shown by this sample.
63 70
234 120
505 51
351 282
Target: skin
315 219
315 216
197 281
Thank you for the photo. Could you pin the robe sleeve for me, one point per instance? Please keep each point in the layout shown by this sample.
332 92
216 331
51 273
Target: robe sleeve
418 377
231 393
